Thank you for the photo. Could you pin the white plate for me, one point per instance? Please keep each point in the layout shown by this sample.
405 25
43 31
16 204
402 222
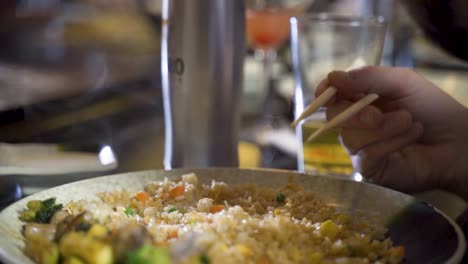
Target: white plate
427 234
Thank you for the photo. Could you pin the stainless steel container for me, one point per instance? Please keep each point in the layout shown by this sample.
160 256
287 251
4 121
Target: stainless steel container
202 59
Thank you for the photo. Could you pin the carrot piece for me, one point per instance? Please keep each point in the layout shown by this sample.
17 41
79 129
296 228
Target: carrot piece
172 234
216 208
142 197
177 191
397 251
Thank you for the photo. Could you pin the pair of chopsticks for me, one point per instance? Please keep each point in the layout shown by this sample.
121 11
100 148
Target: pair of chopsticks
340 118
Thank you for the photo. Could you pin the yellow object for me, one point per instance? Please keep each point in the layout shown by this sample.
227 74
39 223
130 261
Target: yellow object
315 257
329 229
97 231
72 260
249 155
244 250
41 250
325 154
79 245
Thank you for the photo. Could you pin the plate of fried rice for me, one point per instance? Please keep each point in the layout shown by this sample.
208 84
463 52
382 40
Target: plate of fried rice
225 215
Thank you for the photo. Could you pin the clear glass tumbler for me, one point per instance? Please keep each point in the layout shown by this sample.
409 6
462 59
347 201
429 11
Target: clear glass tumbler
321 43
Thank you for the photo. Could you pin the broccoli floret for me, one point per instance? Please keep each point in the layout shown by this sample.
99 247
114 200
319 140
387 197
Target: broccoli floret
204 259
148 254
40 211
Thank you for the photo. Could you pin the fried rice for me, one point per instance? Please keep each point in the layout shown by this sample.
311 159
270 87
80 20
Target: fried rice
219 223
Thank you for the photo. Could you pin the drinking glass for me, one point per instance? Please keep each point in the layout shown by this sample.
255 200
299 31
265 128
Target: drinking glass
321 43
267 28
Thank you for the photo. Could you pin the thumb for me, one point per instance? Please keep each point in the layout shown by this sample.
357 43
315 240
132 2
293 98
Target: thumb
388 82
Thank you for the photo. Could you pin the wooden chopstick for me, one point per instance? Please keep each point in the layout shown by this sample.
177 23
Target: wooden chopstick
325 96
315 105
345 115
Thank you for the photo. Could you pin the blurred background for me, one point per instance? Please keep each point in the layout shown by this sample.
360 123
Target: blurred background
80 92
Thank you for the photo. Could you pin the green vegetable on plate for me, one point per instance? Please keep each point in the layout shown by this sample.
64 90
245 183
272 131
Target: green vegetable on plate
40 211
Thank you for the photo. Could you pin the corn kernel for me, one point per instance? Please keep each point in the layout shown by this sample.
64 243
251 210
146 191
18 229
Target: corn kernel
244 250
295 254
329 229
97 231
224 247
315 257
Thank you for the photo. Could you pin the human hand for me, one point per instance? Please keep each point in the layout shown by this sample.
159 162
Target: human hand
414 138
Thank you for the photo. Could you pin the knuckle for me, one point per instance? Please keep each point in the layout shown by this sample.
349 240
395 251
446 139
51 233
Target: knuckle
359 72
403 120
400 121
405 117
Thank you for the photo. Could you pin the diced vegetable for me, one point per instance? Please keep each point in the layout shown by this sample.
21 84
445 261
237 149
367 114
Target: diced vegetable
142 197
98 231
396 254
244 250
173 209
177 191
27 216
41 250
280 198
129 211
75 244
204 259
315 257
216 208
34 205
128 238
276 212
40 211
149 254
173 233
329 229
72 260
48 202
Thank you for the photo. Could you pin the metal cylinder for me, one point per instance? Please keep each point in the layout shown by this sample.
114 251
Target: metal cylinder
202 60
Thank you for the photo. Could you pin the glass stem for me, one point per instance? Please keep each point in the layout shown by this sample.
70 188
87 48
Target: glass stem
268 58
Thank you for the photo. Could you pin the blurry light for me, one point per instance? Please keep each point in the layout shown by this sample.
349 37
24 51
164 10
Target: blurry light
357 176
106 156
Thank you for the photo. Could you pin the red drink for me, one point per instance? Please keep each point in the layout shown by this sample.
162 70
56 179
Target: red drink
267 29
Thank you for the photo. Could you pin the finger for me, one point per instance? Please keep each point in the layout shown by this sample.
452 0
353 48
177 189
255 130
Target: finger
323 85
369 117
393 124
385 81
371 160
407 160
